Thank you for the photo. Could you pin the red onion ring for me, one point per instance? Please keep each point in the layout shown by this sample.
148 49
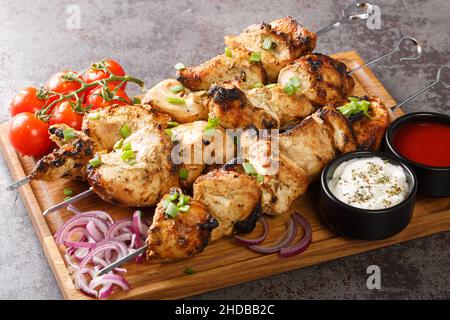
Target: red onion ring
260 239
304 243
284 241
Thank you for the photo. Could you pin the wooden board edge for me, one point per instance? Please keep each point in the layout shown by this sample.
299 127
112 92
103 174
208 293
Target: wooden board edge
54 257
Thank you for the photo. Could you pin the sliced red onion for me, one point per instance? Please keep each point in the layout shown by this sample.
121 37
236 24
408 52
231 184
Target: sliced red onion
94 232
255 241
139 227
73 209
117 226
304 243
110 279
106 245
284 241
80 253
106 291
101 214
79 244
77 221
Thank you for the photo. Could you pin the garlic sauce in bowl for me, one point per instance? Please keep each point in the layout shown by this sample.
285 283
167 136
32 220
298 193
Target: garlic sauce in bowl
369 183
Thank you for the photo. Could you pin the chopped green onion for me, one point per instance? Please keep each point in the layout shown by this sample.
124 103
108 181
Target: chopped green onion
136 100
132 162
295 81
172 124
183 200
94 116
172 210
125 131
259 178
177 88
180 66
68 192
354 107
126 146
176 100
189 271
183 174
166 203
173 196
95 162
258 85
213 122
272 85
289 89
69 134
128 155
267 44
255 57
118 144
249 169
228 52
185 208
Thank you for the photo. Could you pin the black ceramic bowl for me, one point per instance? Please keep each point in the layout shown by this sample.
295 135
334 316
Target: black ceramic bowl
363 223
433 181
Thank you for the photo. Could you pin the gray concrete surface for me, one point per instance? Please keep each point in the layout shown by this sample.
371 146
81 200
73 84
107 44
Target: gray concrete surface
148 38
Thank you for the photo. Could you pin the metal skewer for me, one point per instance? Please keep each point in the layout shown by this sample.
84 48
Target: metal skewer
396 49
347 17
66 202
122 260
18 183
428 87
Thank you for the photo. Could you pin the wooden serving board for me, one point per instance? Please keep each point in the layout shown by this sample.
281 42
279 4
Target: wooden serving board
222 263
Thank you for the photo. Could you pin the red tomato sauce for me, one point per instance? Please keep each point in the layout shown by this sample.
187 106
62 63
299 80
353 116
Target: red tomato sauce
426 143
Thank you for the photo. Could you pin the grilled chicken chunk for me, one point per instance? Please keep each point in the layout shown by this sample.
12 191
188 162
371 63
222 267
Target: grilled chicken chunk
171 239
222 68
138 182
323 80
193 108
103 126
194 149
285 40
232 198
69 161
234 110
306 149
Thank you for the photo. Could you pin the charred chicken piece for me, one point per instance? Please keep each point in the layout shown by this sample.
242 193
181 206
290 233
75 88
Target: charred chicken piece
222 68
69 161
138 173
233 199
279 42
180 237
323 80
195 149
193 106
103 125
232 107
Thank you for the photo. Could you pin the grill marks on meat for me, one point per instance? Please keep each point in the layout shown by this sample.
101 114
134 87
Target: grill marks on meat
171 239
290 40
195 106
234 110
141 184
221 69
324 80
231 197
69 160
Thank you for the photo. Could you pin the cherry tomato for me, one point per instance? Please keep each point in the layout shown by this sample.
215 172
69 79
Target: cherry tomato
26 101
57 84
95 98
29 135
93 74
64 113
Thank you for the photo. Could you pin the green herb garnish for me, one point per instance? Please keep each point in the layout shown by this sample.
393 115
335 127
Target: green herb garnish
175 100
292 86
189 271
267 44
183 174
177 88
95 162
125 131
180 66
210 128
68 192
69 134
228 52
354 107
255 57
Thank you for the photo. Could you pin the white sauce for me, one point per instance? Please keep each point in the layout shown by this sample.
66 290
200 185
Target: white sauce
369 183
